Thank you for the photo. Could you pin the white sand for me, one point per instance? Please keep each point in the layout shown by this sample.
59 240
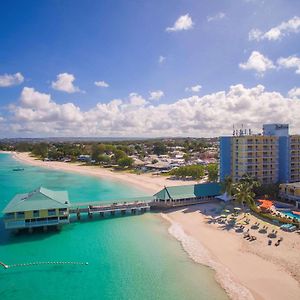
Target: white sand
246 270
147 182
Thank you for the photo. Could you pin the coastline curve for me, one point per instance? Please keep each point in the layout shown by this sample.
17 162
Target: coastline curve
199 254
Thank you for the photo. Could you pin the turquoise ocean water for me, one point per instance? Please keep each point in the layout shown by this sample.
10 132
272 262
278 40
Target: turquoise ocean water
129 257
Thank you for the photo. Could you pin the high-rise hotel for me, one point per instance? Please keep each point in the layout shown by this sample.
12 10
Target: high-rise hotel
273 156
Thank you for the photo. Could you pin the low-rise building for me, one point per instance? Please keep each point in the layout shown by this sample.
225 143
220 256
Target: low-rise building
173 196
39 208
290 192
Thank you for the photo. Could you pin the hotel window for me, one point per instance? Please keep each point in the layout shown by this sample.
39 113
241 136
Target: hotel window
9 216
62 211
51 212
20 214
36 213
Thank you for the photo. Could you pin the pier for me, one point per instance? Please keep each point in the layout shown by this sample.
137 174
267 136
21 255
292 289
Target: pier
46 208
110 209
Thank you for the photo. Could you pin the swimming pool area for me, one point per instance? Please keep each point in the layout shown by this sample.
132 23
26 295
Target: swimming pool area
289 213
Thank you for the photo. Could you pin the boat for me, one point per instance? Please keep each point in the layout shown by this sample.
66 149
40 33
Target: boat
18 169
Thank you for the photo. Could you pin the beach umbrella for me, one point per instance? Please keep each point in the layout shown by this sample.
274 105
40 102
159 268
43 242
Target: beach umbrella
226 210
223 216
237 208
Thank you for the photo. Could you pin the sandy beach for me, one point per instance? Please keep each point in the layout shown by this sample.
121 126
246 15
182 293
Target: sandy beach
147 182
246 270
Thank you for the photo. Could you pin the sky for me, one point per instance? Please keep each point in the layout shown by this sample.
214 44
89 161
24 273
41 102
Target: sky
148 68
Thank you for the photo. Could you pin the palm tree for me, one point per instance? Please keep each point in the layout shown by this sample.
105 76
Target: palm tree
244 193
246 178
228 186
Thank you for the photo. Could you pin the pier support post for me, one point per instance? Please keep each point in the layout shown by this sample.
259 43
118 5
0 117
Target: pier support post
45 228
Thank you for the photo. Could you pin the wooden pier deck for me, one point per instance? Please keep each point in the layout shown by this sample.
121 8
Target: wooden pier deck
111 208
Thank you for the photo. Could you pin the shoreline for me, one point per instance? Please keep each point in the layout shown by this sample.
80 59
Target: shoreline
268 278
146 182
245 270
199 254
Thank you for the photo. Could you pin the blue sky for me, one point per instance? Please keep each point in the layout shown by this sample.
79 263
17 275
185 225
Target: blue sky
126 46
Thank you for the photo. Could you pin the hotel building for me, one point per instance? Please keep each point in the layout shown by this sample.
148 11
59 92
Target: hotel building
290 192
271 157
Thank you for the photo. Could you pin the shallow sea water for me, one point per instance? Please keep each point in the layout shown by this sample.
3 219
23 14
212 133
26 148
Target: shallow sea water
130 257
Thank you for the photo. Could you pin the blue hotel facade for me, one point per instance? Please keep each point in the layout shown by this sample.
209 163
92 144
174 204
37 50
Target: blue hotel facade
273 156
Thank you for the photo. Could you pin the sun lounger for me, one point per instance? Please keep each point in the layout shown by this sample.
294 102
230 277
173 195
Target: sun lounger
292 228
286 227
246 235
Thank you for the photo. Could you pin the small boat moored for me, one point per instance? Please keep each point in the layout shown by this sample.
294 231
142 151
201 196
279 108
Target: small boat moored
18 169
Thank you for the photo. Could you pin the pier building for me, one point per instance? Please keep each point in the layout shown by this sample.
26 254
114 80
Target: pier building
44 207
182 195
39 208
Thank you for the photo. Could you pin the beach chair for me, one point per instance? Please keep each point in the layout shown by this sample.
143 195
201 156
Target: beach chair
292 228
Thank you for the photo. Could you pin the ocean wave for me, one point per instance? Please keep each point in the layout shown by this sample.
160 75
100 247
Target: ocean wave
201 255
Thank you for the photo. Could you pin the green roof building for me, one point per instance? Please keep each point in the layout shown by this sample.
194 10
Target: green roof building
186 194
39 208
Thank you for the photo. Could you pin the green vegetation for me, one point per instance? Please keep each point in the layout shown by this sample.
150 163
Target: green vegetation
267 190
125 162
212 172
194 171
40 150
160 148
227 186
244 192
122 153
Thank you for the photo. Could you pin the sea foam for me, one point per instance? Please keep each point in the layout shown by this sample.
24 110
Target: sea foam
201 255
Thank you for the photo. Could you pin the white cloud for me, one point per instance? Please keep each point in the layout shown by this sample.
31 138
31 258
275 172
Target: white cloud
294 93
182 23
7 80
64 83
216 17
39 107
209 115
257 62
277 32
101 84
156 95
136 100
161 59
255 34
291 62
195 88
